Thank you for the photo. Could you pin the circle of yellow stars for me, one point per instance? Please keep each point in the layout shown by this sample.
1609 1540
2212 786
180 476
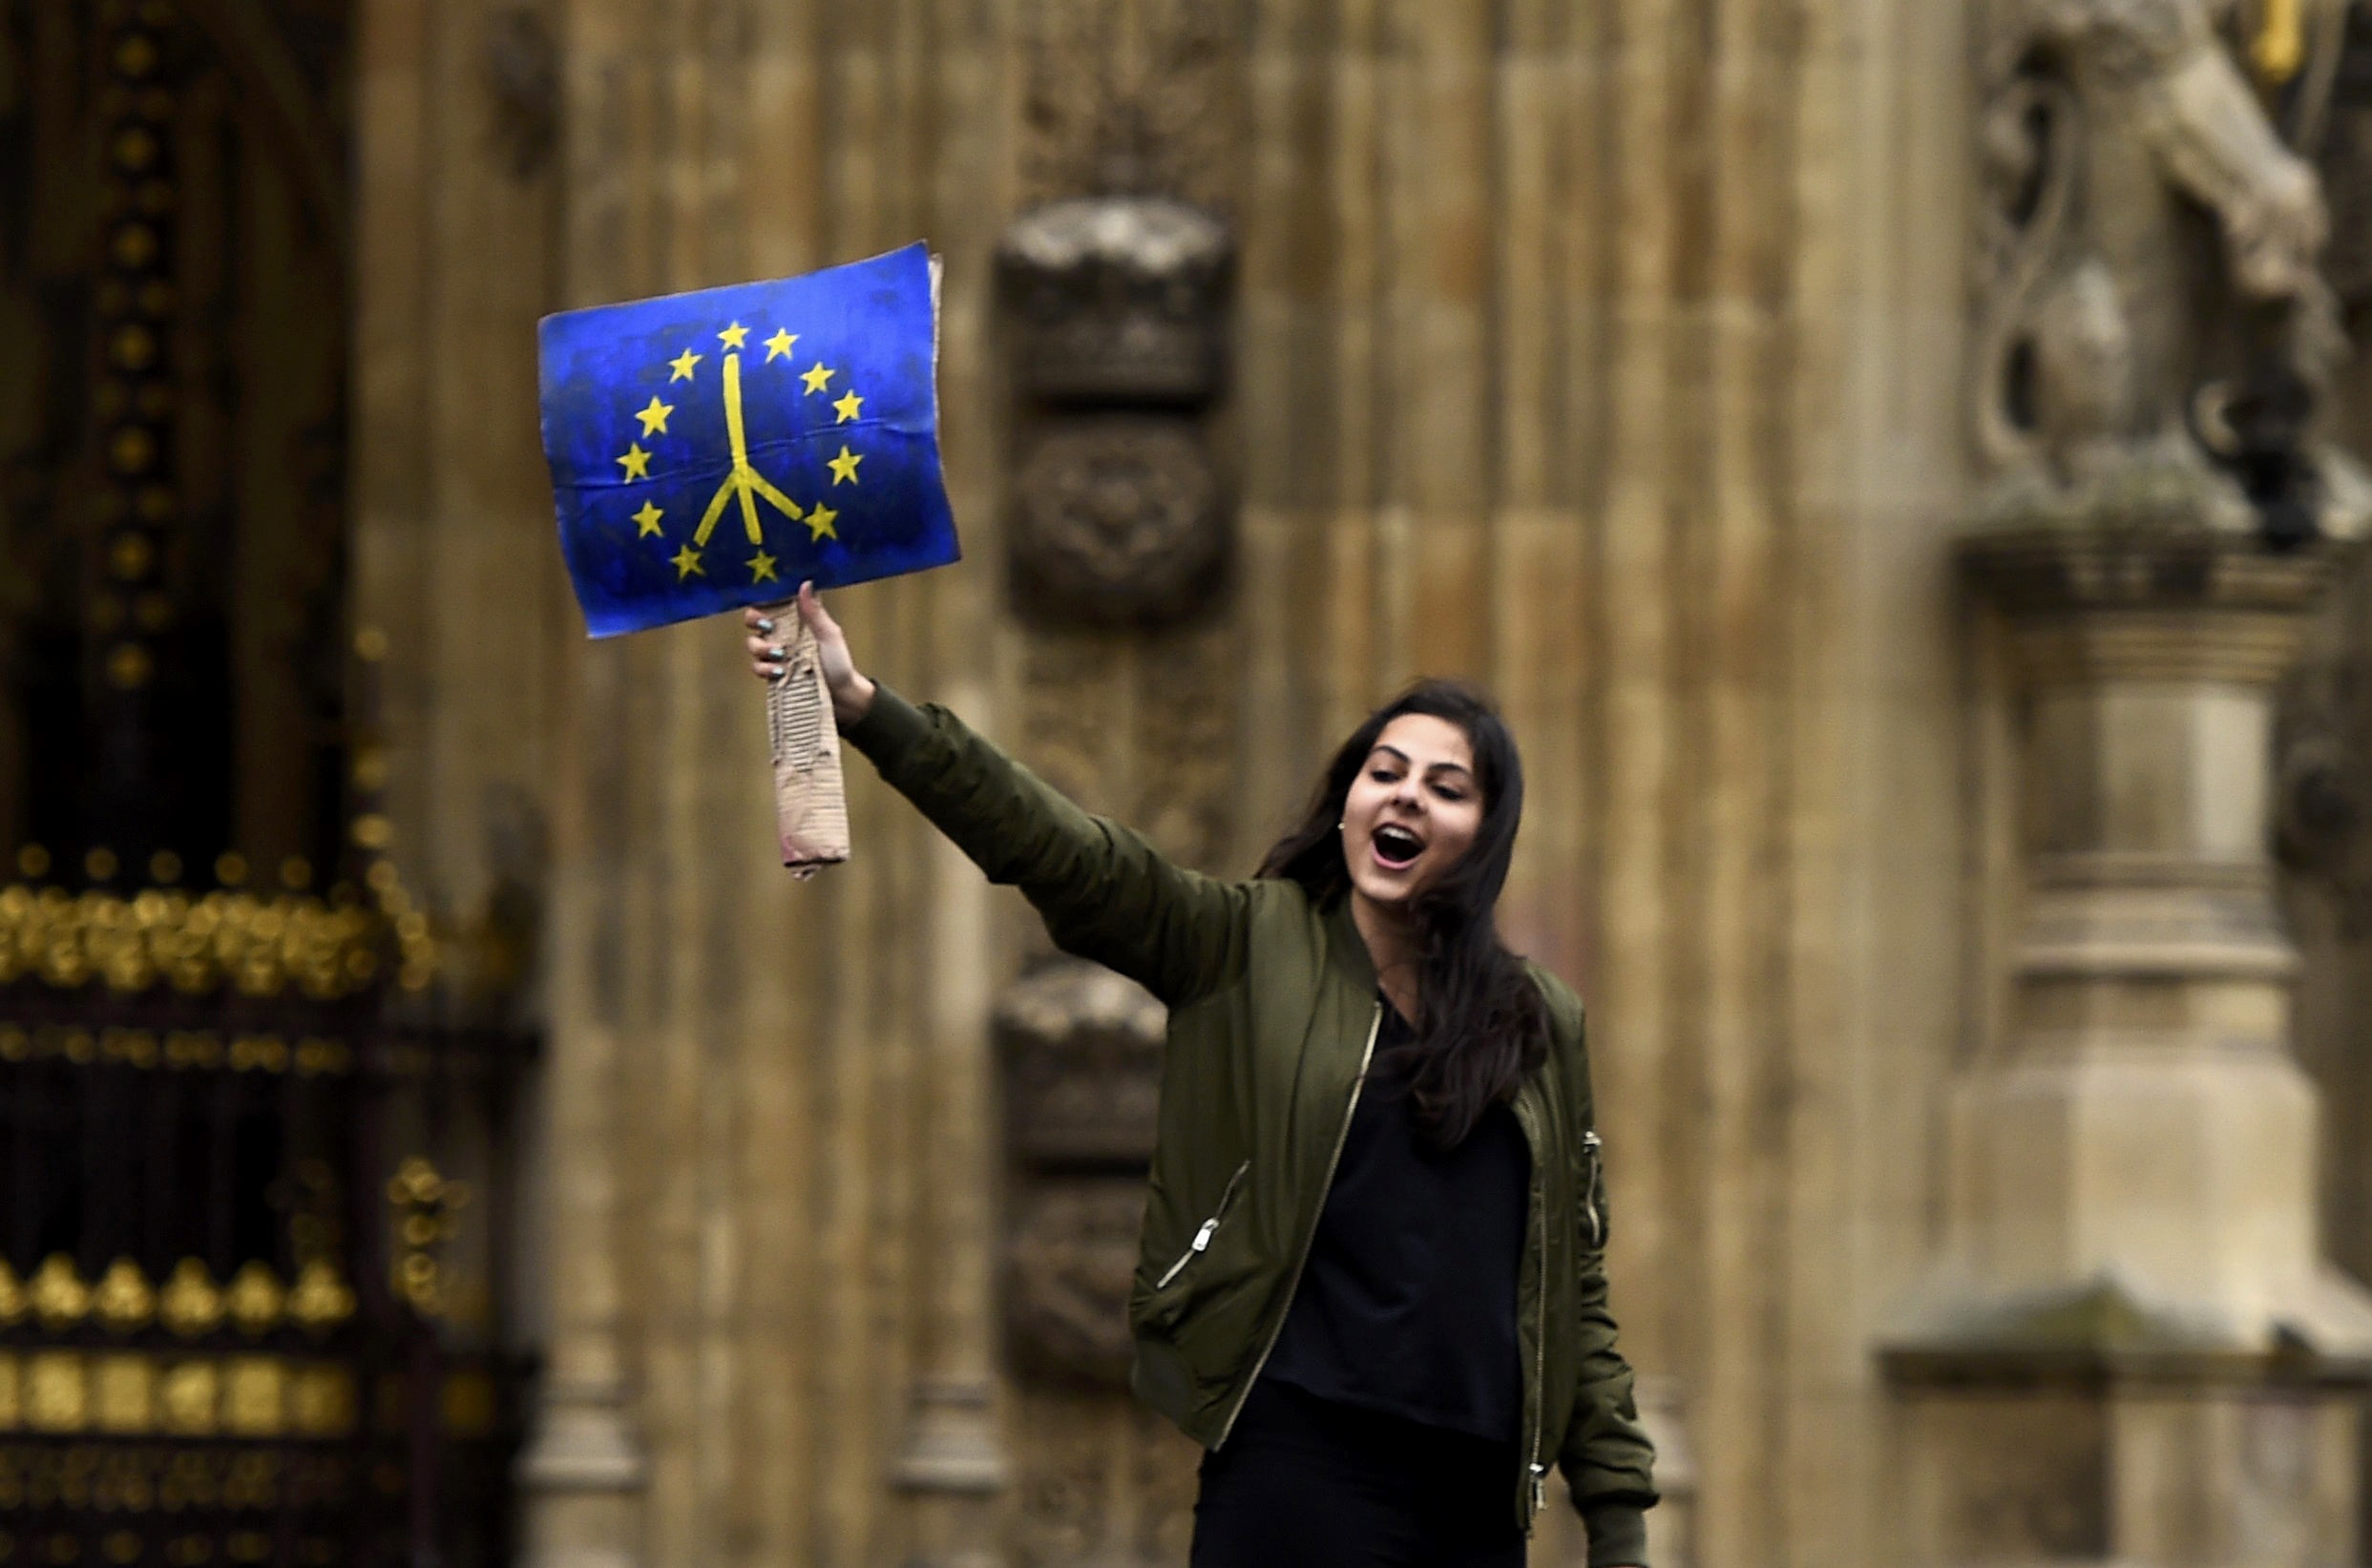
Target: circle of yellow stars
634 462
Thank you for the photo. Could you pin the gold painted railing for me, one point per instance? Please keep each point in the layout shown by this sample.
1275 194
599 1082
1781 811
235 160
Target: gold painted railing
189 1304
308 1056
144 1394
63 1388
260 947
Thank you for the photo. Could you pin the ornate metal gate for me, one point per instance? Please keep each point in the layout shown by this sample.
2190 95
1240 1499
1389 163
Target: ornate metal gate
225 1298
248 1313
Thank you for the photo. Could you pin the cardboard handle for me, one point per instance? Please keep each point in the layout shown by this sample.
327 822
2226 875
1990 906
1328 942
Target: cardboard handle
811 800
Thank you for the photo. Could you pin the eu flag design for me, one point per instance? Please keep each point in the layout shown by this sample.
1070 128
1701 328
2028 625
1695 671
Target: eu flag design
715 449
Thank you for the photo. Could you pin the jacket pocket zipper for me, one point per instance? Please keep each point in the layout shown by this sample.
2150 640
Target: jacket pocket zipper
1210 1228
1594 1148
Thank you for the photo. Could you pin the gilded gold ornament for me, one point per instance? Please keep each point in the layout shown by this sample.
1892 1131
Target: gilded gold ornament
58 1293
192 1392
256 946
255 1297
123 1296
56 1395
191 1305
253 1394
125 1387
320 1299
426 1207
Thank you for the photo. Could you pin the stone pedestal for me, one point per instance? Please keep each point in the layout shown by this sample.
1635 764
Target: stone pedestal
2133 1349
581 1479
951 1467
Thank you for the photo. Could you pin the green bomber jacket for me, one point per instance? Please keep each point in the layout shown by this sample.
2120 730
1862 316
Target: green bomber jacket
1273 1014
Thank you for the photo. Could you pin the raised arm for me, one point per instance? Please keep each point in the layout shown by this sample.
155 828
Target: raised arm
1105 894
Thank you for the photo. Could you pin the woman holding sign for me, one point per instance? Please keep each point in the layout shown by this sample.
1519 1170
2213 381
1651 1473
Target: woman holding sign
1372 1283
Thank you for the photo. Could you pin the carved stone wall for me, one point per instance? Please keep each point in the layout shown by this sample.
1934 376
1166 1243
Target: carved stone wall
1613 354
1120 533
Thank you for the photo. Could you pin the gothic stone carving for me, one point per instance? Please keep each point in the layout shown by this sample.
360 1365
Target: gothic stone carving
1082 1051
2155 335
1132 95
1119 521
1072 1252
1117 302
1119 299
1083 1061
2341 127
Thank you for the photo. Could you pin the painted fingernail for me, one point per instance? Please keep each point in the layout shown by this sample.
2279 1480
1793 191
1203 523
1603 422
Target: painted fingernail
765 625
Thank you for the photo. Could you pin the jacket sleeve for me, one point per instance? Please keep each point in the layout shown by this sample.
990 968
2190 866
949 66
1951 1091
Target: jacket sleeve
1105 894
1607 1460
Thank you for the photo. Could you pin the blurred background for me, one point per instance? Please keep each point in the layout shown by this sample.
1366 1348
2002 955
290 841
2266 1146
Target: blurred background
1891 459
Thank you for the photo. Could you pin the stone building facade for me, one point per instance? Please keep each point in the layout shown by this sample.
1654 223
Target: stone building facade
1653 362
1620 356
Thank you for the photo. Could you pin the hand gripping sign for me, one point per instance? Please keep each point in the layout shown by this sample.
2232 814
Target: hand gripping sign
715 449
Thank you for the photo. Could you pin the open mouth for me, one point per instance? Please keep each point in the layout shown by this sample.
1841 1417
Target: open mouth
1397 847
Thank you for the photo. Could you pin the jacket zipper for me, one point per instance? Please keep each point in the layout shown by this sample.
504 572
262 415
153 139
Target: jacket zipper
1210 1228
1358 1085
1538 1472
1594 1147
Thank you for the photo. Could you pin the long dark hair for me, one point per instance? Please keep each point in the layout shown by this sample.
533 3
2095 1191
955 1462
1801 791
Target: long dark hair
1484 1027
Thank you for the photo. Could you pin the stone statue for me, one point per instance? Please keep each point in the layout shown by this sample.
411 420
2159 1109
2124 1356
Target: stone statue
2155 333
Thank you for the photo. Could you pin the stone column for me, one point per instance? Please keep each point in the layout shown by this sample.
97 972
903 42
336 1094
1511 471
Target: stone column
951 1462
2135 1349
582 1477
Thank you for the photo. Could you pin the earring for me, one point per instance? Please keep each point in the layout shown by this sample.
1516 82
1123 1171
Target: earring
1338 822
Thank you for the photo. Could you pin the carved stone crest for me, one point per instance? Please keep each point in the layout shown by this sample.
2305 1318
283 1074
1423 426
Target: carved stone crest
1118 521
2156 337
1069 1261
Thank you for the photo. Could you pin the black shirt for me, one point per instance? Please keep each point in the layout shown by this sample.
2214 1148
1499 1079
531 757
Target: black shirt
1408 1302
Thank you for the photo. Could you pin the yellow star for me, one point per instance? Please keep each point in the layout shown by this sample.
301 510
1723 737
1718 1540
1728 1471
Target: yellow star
779 345
820 519
848 408
686 562
816 375
681 365
637 463
731 337
647 520
655 417
762 567
844 467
